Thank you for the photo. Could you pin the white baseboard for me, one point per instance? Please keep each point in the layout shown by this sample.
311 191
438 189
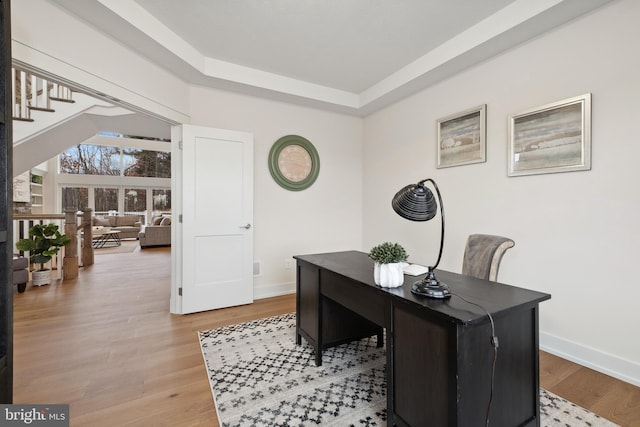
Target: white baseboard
606 363
274 290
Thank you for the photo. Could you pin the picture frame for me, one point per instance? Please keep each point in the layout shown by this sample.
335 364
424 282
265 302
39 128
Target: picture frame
22 188
552 138
461 138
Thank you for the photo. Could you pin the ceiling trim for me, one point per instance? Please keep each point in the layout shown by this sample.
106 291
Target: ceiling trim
510 26
465 42
138 17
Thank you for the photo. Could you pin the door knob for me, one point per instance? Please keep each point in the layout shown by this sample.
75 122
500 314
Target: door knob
246 227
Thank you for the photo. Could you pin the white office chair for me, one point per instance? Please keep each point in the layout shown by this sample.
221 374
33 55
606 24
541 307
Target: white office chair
482 255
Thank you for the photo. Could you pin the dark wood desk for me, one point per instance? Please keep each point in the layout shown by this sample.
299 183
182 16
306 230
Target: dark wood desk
439 354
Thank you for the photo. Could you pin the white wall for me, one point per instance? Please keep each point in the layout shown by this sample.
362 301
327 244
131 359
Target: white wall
576 233
327 216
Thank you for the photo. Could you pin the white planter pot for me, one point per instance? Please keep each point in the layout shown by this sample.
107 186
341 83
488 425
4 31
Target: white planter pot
388 275
40 277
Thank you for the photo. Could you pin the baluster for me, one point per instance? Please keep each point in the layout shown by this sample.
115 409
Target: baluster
46 103
33 100
24 111
14 92
15 110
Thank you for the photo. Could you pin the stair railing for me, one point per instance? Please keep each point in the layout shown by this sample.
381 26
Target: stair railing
31 92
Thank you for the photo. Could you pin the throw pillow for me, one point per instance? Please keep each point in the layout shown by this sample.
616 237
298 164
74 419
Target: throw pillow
166 221
156 220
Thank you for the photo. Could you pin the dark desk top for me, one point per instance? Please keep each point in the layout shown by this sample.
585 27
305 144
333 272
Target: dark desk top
495 297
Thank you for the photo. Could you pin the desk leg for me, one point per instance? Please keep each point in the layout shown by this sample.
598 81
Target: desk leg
391 415
309 308
319 334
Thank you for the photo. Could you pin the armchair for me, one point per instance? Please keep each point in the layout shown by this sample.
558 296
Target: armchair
155 235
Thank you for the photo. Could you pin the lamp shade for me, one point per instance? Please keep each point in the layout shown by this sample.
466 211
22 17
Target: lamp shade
415 202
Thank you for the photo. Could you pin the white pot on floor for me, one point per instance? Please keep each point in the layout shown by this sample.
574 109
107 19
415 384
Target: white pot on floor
41 277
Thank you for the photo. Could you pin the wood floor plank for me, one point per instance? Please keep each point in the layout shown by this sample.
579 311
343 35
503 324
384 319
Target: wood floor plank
106 344
610 398
621 403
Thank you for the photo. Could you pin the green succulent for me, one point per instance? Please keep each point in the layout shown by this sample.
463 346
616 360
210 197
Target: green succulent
388 253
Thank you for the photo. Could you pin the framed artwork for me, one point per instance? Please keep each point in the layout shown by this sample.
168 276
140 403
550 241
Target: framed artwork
552 138
22 187
462 138
294 162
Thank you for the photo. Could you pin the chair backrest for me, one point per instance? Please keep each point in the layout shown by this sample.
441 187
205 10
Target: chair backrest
482 255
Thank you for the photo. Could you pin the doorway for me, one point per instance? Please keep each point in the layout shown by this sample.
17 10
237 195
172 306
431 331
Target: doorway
116 160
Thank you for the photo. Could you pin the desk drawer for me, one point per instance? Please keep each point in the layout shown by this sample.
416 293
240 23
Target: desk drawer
360 298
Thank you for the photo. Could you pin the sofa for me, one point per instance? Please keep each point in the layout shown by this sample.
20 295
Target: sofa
128 225
158 233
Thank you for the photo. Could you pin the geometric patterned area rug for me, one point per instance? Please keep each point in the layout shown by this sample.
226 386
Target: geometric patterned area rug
260 377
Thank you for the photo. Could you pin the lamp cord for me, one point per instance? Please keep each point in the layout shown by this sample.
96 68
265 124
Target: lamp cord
494 344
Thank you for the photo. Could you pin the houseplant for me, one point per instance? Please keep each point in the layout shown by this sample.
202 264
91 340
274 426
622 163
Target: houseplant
388 268
44 242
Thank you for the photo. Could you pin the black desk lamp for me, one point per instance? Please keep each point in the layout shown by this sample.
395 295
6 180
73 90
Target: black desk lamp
416 202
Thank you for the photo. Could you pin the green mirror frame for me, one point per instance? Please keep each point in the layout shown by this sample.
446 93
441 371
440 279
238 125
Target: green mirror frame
277 174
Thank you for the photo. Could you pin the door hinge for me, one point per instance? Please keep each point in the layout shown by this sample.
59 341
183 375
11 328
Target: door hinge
180 291
180 145
180 218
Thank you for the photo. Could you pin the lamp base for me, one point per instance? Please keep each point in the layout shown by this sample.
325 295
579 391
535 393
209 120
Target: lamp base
431 287
440 290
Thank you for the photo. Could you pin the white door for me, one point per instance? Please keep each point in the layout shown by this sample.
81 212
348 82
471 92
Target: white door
212 189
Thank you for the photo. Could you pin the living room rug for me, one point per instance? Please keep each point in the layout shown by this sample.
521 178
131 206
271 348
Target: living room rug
126 247
260 377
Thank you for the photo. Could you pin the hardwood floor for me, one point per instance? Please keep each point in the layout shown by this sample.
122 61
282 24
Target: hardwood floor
608 397
106 344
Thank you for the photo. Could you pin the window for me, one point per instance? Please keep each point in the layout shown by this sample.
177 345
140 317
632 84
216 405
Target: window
75 197
135 201
161 202
105 200
116 180
90 160
86 159
150 164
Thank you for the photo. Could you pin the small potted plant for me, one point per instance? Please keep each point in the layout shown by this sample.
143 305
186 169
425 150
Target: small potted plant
388 269
44 242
